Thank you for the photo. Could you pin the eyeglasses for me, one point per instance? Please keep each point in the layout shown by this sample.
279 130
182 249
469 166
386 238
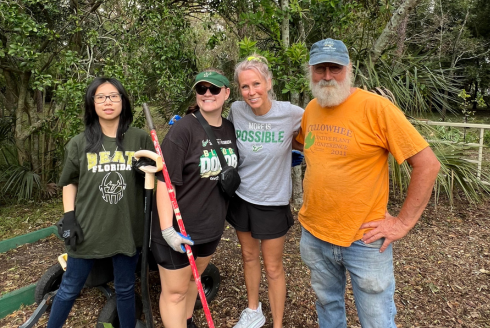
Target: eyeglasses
201 89
114 97
322 69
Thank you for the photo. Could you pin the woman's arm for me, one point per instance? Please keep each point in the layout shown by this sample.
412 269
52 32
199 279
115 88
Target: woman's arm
295 143
165 214
69 195
164 206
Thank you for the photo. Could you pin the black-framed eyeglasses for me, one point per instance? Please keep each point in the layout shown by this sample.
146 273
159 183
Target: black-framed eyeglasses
114 97
201 89
334 69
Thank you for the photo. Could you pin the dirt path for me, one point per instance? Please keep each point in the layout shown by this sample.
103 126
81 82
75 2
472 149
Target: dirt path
442 270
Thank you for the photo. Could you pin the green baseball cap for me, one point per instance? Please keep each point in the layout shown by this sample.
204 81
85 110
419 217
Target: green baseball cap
213 78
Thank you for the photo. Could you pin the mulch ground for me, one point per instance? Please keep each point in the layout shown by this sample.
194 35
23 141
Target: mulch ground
25 264
442 270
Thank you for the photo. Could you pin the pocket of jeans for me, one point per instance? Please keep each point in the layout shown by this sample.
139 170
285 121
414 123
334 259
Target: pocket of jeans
310 253
375 244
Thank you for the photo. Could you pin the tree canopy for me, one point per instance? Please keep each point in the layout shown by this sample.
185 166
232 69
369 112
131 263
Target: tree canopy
424 51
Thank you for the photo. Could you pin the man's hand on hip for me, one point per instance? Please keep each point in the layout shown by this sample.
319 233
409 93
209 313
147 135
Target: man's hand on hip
391 228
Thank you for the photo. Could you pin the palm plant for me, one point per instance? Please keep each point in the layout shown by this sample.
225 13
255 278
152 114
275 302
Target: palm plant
415 87
455 174
15 180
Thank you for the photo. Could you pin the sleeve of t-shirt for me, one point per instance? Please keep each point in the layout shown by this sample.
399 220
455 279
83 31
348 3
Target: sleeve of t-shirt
71 167
398 135
296 114
174 157
230 114
301 135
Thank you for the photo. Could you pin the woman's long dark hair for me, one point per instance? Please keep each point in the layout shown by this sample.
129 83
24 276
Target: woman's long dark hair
93 131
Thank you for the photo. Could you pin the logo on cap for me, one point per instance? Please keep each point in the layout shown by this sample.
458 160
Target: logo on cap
328 46
207 74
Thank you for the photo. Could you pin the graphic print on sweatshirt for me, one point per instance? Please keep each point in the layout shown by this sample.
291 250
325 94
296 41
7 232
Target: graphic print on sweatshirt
112 185
259 134
209 163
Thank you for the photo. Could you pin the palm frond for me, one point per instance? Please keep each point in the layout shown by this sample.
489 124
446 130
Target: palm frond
415 87
20 182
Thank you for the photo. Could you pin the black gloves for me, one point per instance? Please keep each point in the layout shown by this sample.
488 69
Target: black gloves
70 230
143 161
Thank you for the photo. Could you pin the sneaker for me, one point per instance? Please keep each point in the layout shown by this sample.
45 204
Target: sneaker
251 318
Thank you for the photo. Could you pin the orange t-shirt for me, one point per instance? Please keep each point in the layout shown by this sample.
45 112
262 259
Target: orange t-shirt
346 150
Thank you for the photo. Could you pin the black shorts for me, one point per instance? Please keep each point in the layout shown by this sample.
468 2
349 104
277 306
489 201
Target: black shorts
169 259
265 222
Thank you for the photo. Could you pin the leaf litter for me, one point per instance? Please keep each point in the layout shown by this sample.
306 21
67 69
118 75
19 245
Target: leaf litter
442 270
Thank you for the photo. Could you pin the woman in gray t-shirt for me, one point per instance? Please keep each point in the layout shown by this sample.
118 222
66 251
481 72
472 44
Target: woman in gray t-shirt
260 212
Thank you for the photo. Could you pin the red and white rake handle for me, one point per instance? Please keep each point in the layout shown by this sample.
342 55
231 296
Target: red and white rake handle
175 206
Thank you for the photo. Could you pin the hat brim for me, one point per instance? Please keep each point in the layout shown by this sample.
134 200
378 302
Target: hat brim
215 83
328 59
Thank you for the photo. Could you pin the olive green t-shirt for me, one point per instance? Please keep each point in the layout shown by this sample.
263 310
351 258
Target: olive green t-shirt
109 205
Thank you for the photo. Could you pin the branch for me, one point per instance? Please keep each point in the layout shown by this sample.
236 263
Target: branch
453 60
475 56
35 127
390 29
10 69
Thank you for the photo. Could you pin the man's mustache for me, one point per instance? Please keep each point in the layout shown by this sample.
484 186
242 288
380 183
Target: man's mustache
325 83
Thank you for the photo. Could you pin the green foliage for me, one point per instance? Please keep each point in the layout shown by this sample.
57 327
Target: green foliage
416 87
155 47
456 173
334 17
465 105
247 47
486 138
58 48
20 181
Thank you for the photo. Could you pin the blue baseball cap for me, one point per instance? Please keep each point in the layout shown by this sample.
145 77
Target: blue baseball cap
329 51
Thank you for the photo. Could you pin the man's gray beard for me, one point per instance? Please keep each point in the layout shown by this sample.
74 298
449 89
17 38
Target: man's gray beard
331 93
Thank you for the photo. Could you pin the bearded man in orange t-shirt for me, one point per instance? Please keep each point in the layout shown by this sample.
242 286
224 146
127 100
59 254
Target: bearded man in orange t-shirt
348 134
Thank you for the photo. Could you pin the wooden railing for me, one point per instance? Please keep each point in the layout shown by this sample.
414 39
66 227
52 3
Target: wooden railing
479 145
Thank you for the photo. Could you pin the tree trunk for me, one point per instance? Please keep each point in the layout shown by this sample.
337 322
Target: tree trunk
19 115
475 95
391 28
34 110
285 24
10 93
402 32
296 173
306 99
453 59
3 102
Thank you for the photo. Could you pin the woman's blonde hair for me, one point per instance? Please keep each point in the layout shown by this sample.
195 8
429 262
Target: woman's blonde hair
260 65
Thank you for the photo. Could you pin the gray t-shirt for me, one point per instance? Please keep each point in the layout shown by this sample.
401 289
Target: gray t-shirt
264 145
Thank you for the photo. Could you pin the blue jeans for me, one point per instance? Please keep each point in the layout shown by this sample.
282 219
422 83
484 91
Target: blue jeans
77 271
371 272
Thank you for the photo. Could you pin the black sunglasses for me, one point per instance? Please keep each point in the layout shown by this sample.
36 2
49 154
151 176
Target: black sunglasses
201 89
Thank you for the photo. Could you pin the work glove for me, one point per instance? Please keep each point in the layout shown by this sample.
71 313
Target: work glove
71 231
143 161
297 158
176 240
174 119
